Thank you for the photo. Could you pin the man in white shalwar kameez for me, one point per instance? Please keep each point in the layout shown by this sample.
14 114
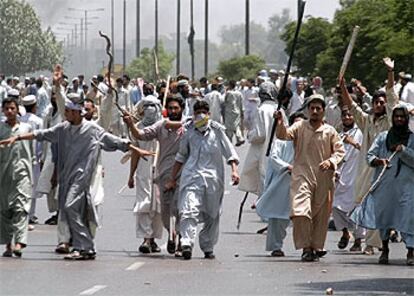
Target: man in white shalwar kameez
254 167
233 113
30 104
274 204
147 208
215 100
344 198
201 152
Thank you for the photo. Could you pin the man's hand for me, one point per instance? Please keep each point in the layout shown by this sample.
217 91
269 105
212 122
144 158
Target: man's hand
131 182
398 148
325 165
380 162
290 168
388 63
141 152
170 185
57 75
9 141
279 116
235 178
128 119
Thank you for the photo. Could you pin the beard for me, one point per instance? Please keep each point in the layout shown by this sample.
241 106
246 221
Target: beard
175 117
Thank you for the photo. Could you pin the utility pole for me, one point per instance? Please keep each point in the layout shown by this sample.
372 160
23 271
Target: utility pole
178 36
191 38
138 33
247 28
112 33
206 39
156 27
124 41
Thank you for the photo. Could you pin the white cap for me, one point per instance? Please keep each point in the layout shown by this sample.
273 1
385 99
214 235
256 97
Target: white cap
182 82
13 93
29 100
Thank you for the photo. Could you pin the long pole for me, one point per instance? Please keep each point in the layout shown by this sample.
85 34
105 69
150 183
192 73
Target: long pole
247 41
81 33
192 39
86 40
178 36
124 41
112 33
76 35
138 31
206 39
156 27
285 80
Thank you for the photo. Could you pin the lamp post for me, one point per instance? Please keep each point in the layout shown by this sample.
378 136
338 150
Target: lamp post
247 42
138 30
206 39
178 36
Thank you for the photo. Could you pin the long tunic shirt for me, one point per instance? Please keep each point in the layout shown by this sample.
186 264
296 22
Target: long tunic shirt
345 188
233 109
254 168
15 181
275 201
79 148
391 203
215 101
370 130
310 185
202 156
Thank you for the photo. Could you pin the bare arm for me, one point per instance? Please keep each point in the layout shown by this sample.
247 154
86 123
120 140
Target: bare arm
132 170
12 140
172 183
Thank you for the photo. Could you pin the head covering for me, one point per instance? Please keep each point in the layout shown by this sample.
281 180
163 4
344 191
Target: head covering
281 72
318 98
13 93
29 100
74 102
182 82
407 76
398 134
151 107
273 71
263 73
267 91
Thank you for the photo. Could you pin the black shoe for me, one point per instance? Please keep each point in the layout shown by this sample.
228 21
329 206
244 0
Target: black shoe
240 143
171 247
321 253
155 248
277 253
52 220
383 259
34 220
309 256
209 255
187 252
88 255
343 242
145 248
331 225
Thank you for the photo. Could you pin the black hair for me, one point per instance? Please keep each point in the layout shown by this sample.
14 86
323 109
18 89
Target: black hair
295 115
214 86
148 89
177 99
125 76
378 94
100 78
9 100
232 84
119 80
29 108
201 105
203 80
39 82
90 101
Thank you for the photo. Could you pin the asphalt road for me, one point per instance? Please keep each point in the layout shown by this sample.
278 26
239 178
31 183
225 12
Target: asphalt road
241 267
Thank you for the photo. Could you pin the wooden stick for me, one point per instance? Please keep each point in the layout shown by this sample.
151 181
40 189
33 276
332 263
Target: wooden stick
348 52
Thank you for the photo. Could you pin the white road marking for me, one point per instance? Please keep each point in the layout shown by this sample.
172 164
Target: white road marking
135 266
93 290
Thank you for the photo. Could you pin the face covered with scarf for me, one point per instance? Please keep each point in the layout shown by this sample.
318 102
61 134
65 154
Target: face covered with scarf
399 133
152 113
201 120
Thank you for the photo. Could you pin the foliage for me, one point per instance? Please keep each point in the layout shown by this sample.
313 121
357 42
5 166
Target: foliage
24 46
144 66
387 29
241 67
312 40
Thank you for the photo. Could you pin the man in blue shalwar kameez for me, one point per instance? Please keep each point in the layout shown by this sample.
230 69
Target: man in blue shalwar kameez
391 204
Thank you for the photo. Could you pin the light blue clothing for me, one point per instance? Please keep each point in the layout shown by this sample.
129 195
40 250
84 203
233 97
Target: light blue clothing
135 95
275 201
276 233
391 204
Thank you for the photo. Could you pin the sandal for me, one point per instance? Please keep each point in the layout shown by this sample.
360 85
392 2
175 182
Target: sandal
277 253
343 242
62 249
170 246
8 253
145 248
74 255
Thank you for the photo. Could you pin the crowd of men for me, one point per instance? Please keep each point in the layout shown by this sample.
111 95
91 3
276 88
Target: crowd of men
340 153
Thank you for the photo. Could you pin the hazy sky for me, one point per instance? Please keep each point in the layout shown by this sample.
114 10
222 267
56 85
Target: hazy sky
221 12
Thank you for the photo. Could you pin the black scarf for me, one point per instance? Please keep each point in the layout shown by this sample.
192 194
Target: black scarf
398 135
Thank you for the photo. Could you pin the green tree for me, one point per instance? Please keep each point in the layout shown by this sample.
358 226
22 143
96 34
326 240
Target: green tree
144 66
275 54
387 29
24 46
241 67
312 40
